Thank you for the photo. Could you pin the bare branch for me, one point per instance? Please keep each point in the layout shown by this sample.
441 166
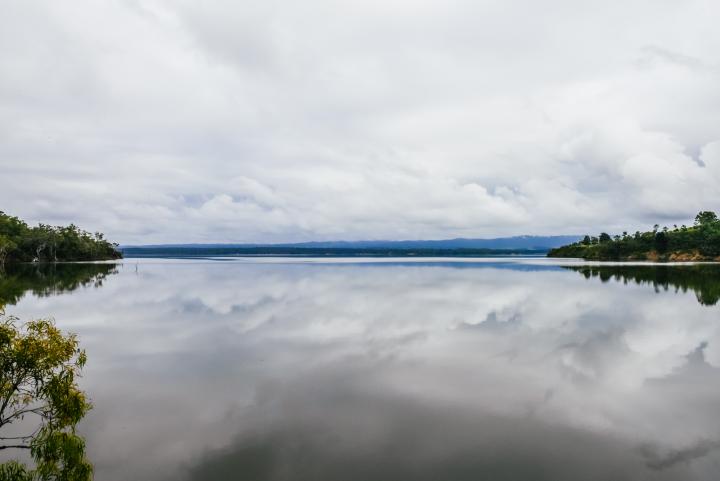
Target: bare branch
16 446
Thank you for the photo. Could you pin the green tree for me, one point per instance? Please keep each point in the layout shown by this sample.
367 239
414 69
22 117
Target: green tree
706 218
39 395
661 242
6 246
46 243
701 242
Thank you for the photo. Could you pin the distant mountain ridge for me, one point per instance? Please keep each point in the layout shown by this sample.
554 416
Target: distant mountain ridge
535 243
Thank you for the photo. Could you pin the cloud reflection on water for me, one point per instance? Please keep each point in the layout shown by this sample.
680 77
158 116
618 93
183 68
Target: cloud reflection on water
392 371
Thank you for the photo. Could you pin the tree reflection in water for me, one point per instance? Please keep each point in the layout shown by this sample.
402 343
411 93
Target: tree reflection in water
702 279
49 279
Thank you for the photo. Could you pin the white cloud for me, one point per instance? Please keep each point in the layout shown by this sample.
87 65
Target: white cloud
275 121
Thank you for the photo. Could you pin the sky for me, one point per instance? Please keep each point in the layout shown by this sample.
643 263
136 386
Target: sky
275 121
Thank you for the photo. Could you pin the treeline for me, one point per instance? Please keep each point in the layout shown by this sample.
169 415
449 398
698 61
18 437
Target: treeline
44 243
700 242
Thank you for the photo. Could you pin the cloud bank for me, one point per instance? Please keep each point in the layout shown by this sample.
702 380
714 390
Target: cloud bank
162 121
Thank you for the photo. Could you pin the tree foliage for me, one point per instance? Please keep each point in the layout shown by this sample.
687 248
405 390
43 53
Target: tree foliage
22 243
39 396
699 242
705 218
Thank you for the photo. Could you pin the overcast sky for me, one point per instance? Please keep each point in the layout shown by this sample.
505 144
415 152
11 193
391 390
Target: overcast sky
221 121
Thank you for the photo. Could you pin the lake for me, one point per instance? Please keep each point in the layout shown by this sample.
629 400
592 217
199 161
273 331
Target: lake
390 369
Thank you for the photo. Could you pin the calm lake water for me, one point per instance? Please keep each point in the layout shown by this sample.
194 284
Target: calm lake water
496 369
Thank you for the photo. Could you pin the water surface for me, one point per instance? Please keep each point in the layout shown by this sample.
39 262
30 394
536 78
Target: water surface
280 369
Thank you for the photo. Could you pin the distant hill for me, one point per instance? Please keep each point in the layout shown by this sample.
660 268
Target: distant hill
319 252
517 242
450 247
